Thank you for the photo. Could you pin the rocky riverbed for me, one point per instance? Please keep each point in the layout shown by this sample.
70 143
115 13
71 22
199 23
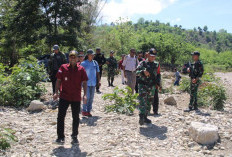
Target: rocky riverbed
111 134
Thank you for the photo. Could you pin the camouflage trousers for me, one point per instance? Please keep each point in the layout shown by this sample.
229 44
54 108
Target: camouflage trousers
111 74
146 97
193 94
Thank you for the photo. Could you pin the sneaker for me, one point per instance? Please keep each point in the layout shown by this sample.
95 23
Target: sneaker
188 110
84 113
60 141
98 92
89 114
156 113
74 140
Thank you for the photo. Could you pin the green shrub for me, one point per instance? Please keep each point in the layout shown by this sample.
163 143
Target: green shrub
6 138
22 85
122 101
210 93
185 85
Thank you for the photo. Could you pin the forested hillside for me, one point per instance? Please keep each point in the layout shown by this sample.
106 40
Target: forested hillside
32 27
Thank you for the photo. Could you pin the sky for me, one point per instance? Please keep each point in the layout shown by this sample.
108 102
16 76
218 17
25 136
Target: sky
215 14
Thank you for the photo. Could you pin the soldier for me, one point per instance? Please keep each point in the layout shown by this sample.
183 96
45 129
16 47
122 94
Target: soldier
147 72
158 88
196 71
112 68
57 58
99 57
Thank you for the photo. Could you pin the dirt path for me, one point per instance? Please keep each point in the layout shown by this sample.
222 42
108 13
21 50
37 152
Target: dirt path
117 135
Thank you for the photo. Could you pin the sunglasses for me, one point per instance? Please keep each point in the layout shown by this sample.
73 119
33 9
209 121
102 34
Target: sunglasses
72 57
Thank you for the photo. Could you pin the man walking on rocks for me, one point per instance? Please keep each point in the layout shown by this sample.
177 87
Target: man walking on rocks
92 69
101 60
120 67
195 73
158 88
112 68
147 72
130 64
70 79
57 58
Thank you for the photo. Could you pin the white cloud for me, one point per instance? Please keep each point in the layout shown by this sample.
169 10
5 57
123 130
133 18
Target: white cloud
127 8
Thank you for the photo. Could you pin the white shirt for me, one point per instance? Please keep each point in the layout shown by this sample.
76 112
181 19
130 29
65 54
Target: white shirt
130 63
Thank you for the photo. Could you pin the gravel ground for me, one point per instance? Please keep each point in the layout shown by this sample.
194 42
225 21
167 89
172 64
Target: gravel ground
111 134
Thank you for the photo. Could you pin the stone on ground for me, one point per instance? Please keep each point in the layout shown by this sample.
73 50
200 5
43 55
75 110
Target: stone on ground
170 101
36 105
203 133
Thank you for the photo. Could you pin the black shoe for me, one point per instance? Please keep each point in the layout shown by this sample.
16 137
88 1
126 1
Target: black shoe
60 141
141 119
98 92
146 120
188 110
112 85
156 114
74 140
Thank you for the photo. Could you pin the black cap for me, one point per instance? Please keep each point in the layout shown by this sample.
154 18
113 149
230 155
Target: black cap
90 52
196 53
98 48
152 52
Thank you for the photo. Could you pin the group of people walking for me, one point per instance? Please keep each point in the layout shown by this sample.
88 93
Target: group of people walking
140 72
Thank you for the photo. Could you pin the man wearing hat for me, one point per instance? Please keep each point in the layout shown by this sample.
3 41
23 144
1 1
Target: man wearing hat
71 77
158 88
81 56
92 69
195 73
57 58
101 60
147 81
112 68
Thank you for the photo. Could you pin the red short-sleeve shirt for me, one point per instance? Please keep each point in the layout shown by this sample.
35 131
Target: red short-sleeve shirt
71 81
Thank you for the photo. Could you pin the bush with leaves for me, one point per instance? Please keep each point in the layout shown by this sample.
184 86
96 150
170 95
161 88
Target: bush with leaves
23 84
122 101
6 138
211 92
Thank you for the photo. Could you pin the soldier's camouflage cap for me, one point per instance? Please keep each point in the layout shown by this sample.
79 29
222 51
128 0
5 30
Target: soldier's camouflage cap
196 53
111 51
152 52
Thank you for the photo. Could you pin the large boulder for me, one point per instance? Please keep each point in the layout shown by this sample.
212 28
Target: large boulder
203 133
36 105
170 101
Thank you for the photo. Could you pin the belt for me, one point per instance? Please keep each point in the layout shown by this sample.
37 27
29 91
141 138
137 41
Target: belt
129 71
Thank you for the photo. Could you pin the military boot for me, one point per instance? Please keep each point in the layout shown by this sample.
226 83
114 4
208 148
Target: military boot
112 81
141 119
146 120
109 83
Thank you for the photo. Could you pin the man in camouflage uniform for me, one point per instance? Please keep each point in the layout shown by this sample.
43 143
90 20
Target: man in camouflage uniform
196 71
112 68
147 72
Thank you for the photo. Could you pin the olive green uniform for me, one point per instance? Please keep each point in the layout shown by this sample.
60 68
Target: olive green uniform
196 71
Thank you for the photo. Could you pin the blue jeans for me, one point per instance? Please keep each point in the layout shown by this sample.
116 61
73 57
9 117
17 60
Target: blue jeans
177 83
90 95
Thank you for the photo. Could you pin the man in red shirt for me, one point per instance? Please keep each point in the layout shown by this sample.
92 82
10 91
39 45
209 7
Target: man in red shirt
70 79
120 67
